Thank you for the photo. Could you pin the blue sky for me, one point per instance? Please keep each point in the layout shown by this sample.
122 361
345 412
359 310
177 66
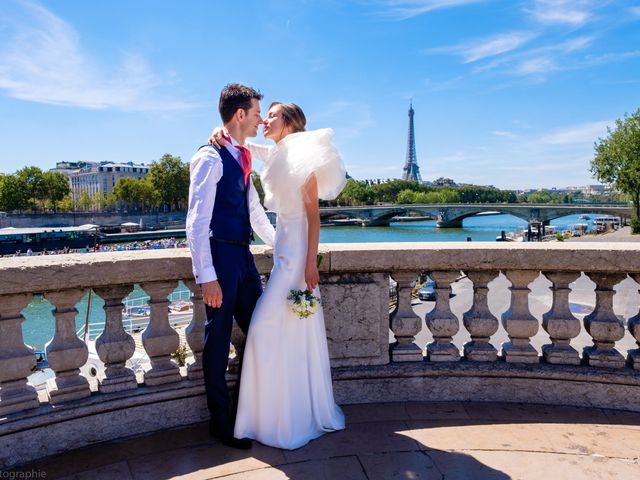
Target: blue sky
510 93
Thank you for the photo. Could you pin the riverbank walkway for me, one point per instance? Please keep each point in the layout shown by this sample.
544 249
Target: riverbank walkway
621 235
411 440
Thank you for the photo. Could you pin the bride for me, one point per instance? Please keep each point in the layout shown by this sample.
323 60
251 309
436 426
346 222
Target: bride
286 397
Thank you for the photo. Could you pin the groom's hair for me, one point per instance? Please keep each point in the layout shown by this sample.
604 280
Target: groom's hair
235 96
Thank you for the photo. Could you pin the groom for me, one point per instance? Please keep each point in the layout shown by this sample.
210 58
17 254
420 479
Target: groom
224 207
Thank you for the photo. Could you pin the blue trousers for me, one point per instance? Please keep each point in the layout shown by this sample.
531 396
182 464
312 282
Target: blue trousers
241 288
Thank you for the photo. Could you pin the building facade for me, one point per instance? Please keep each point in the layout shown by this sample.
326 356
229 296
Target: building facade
100 178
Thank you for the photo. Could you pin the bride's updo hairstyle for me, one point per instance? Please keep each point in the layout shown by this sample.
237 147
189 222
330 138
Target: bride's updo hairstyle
292 115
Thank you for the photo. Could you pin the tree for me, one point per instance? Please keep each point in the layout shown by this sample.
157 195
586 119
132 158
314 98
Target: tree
66 204
98 201
255 177
406 197
444 182
84 201
125 190
33 179
617 158
13 193
355 193
170 178
135 192
55 187
388 192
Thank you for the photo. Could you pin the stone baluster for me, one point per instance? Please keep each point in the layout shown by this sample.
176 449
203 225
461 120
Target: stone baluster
633 356
160 340
405 324
114 345
194 333
603 325
16 359
518 321
479 321
441 321
66 353
560 323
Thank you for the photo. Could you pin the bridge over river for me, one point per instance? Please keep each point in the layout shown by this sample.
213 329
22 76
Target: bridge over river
451 215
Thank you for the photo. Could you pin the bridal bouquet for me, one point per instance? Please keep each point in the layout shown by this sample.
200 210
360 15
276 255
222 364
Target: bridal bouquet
302 302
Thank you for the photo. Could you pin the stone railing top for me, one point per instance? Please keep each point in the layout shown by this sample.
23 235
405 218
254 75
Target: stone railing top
57 272
553 256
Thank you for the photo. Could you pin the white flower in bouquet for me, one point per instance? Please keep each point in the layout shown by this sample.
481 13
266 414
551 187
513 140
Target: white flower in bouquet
303 303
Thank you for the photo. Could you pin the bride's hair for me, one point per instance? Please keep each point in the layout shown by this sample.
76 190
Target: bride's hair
292 115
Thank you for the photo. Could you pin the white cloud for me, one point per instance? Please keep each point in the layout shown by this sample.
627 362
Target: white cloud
610 57
405 9
635 11
584 133
543 59
503 133
568 12
480 49
535 65
41 60
495 46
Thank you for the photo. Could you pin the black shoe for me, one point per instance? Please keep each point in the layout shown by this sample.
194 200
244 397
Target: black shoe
225 435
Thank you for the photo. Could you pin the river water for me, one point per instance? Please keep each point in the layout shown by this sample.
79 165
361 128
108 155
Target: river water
39 326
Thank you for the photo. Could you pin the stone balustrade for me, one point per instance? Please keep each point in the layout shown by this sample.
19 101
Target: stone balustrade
376 355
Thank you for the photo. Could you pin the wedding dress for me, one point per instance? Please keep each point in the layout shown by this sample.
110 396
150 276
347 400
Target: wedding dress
286 396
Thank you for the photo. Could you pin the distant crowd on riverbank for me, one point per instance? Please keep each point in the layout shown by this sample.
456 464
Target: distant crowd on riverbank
121 247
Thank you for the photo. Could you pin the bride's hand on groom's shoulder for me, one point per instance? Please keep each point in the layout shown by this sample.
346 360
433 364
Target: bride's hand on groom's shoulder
218 136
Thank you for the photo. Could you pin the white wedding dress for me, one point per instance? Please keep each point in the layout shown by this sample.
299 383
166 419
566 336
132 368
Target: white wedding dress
286 395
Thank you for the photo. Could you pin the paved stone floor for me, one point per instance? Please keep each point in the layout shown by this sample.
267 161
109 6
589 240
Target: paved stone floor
452 440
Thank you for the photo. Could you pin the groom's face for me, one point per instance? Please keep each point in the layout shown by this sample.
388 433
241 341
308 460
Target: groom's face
252 119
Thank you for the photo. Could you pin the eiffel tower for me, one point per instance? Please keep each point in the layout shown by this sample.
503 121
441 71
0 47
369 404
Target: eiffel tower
411 170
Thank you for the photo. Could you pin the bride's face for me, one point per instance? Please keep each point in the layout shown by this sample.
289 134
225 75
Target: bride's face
274 126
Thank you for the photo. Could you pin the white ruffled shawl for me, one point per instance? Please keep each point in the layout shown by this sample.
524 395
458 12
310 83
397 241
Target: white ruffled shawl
292 161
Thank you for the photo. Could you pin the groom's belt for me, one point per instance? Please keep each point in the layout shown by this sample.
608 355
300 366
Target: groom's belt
231 242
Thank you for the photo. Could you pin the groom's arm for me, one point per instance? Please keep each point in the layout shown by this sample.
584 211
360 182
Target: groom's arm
205 172
259 221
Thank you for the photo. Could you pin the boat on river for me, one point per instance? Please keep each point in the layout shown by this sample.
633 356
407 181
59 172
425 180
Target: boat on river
46 238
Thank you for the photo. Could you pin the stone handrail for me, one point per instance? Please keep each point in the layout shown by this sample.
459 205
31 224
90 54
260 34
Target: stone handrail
366 366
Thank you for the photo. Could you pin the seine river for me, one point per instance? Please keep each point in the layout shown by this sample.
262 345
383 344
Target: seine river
38 327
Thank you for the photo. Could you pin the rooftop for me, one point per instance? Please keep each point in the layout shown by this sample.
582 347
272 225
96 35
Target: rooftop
408 440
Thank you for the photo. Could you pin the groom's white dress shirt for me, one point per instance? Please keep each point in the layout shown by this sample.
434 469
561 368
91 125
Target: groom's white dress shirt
205 172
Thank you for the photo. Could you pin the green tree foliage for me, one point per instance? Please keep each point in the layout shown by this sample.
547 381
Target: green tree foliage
66 204
98 201
388 192
13 193
255 177
84 201
170 178
55 187
617 158
30 188
138 193
355 193
34 182
408 192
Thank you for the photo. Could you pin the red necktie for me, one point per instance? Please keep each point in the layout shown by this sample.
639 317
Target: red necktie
245 162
